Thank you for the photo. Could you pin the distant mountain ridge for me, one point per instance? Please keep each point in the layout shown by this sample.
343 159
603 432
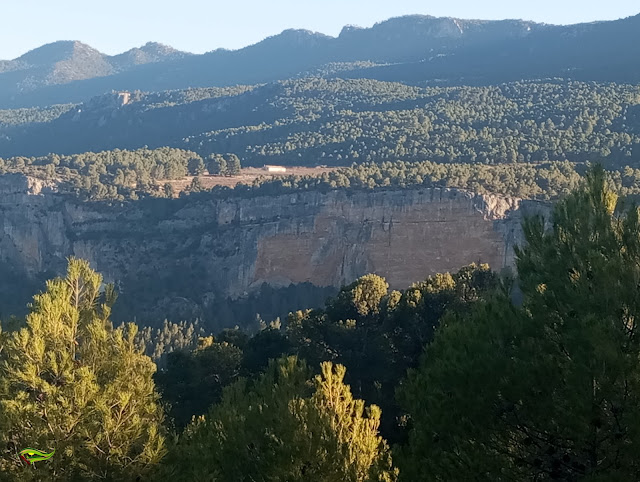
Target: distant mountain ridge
414 48
67 61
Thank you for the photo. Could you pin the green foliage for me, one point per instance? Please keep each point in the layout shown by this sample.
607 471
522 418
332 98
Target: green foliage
543 181
168 190
196 185
171 98
71 382
549 390
361 298
192 375
362 454
511 138
16 117
268 344
217 165
378 335
233 165
195 166
112 175
234 336
191 382
160 342
120 175
284 426
337 122
223 165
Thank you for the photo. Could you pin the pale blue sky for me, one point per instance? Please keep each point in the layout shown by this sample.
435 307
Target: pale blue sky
114 26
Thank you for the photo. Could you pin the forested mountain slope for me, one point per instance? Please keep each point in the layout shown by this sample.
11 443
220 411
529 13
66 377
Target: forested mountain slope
337 122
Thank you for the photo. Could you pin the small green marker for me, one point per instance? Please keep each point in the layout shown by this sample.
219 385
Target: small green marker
33 455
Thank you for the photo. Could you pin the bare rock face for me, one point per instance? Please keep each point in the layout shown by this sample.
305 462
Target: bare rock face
402 235
196 250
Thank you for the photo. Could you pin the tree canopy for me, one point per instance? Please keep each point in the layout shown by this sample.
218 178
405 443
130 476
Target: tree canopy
286 426
547 390
72 383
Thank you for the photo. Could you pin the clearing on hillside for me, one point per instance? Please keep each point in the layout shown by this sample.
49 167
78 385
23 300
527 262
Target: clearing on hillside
246 176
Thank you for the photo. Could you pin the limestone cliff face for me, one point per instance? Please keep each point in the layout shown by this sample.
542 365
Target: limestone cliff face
185 255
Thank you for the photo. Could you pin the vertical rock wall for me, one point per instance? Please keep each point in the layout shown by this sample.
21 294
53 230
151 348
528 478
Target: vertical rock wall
184 256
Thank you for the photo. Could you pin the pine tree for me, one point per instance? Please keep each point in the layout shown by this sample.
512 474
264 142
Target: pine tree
196 185
72 383
196 166
217 165
284 426
233 165
191 382
362 297
549 390
362 455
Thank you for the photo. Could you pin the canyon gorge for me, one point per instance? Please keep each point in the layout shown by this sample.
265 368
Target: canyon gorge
197 256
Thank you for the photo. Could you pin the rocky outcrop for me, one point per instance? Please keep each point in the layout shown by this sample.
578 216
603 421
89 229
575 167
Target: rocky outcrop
196 251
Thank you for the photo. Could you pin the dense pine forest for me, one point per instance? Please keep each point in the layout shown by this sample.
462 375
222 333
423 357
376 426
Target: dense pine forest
337 122
122 175
527 139
449 379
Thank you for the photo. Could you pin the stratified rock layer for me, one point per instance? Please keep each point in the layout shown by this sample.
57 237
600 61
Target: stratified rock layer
183 255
